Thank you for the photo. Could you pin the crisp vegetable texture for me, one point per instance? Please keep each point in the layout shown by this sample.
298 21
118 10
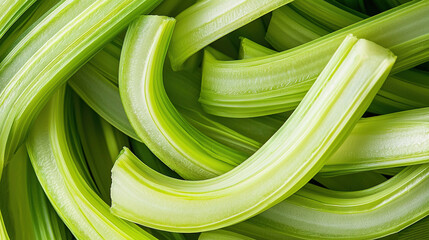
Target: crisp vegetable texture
214 119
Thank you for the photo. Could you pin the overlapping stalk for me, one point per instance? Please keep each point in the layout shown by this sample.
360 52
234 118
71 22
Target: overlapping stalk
243 88
206 21
60 43
59 166
263 171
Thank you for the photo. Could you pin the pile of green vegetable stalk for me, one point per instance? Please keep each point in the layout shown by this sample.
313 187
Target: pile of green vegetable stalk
214 119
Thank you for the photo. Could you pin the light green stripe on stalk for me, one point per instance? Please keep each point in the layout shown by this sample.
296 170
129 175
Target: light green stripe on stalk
11 10
279 168
55 48
207 21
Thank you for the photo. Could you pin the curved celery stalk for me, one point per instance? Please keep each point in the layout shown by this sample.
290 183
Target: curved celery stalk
11 10
407 136
316 213
279 168
60 43
28 213
403 91
59 171
243 89
223 234
207 21
154 118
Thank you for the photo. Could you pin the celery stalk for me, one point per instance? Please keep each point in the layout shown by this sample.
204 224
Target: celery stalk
243 89
154 118
278 169
207 21
57 165
315 213
56 47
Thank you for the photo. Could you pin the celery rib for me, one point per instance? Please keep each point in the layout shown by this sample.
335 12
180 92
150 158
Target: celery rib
367 214
155 120
60 43
58 168
207 21
274 172
243 89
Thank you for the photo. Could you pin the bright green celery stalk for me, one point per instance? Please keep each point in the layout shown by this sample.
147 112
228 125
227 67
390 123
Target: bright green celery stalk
328 113
24 23
157 116
28 213
243 89
317 213
223 234
51 149
11 10
56 47
207 21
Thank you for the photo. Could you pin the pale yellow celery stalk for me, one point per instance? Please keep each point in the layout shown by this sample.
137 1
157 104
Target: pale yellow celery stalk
282 166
